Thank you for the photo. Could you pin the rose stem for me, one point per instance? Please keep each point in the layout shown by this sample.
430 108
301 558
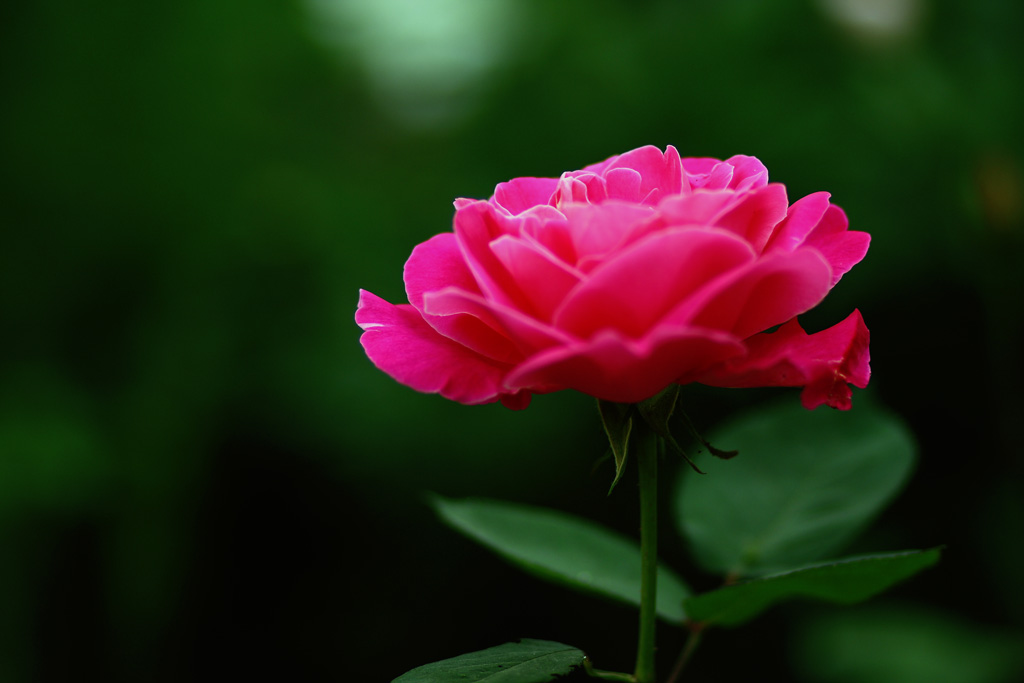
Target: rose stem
647 460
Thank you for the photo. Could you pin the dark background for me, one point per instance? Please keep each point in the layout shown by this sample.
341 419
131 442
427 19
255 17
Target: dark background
201 475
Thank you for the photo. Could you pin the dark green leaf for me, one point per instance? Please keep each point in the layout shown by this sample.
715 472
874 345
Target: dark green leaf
528 661
907 644
563 548
617 419
843 581
805 483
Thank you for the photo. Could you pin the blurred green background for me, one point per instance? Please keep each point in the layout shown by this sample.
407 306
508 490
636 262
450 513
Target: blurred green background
203 478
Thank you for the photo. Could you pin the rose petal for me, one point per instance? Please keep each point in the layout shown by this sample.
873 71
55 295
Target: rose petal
662 171
756 214
719 178
438 264
824 363
623 184
697 167
660 174
553 234
434 264
517 401
751 299
519 194
528 334
801 218
402 344
634 290
613 368
738 173
479 224
814 222
699 208
543 279
578 188
748 173
597 231
842 248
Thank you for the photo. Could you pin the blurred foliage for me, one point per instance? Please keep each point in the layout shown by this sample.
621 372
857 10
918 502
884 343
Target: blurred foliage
907 644
200 472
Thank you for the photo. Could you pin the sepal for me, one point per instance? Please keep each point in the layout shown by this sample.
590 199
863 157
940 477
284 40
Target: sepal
657 411
617 420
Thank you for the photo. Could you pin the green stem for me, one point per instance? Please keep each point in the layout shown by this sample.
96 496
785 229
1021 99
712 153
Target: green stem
588 666
647 461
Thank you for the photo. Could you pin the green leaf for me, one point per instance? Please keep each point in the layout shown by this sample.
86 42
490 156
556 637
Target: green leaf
528 661
804 484
843 581
907 644
565 549
617 419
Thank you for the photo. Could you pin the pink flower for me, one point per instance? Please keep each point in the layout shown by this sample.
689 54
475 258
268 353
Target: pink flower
622 278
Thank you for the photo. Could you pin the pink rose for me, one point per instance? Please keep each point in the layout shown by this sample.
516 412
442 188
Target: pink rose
618 280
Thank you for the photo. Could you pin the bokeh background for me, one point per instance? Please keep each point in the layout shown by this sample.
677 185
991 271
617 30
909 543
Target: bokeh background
203 478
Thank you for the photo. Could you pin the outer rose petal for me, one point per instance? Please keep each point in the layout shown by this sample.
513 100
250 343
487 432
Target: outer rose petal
813 222
751 299
529 334
757 214
438 264
824 363
841 247
801 218
402 344
614 368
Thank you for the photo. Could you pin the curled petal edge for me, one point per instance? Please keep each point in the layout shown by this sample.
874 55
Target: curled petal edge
825 364
401 343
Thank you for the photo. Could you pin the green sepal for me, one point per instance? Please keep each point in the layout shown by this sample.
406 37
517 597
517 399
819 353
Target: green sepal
717 452
844 581
617 419
657 411
528 661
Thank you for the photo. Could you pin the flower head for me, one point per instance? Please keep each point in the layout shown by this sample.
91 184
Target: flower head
622 278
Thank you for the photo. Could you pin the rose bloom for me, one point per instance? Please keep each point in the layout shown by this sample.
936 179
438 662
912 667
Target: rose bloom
621 279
